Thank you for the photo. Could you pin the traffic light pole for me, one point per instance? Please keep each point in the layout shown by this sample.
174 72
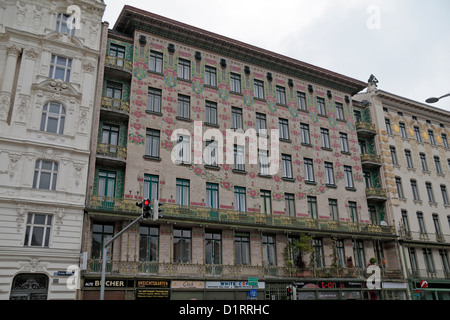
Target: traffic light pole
105 246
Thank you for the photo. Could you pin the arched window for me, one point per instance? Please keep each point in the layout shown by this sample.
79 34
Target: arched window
53 117
27 286
45 175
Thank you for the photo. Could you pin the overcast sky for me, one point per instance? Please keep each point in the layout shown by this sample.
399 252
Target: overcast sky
404 43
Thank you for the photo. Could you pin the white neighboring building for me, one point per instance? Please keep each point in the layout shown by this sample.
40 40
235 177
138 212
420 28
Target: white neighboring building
47 89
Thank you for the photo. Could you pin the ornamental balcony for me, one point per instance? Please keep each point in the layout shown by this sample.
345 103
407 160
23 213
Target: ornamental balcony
111 153
119 64
426 273
116 105
427 237
371 160
376 194
365 129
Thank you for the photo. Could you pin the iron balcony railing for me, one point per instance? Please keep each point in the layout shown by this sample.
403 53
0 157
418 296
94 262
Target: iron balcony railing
199 213
114 104
426 273
376 193
424 236
119 63
371 158
365 128
112 150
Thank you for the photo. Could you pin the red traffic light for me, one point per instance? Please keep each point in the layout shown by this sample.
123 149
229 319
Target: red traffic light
146 202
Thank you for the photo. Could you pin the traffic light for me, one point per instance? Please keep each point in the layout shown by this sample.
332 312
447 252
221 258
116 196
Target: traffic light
156 210
289 292
146 208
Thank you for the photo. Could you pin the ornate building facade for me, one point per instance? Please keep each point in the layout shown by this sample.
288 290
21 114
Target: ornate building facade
48 70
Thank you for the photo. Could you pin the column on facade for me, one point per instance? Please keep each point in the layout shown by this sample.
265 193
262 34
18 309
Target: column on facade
12 53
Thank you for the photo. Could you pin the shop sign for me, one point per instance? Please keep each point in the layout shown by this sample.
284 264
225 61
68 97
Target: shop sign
233 285
152 284
152 294
109 283
187 284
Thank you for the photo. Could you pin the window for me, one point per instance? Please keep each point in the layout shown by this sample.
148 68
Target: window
212 195
184 69
210 76
413 260
344 142
437 163
358 251
184 106
182 245
398 183
444 260
340 251
301 97
239 199
417 133
235 83
236 118
60 68
269 250
152 143
373 215
151 186
53 118
405 220
325 136
45 175
239 161
287 166
258 89
148 243
423 161
428 258
114 91
263 157
38 230
242 248
334 212
317 245
312 207
106 183
431 137
61 24
110 137
402 129
409 161
329 173
211 153
117 51
362 146
358 116
156 61
211 112
304 129
284 128
309 170
353 211
281 95
394 156
437 226
415 191
266 198
387 121
289 200
429 188
444 140
348 177
213 247
444 195
261 126
421 222
340 111
367 179
321 106
154 100
182 197
101 233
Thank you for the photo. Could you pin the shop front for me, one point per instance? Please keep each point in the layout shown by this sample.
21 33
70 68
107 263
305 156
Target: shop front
430 289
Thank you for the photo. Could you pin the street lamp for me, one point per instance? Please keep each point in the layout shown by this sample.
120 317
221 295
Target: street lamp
433 100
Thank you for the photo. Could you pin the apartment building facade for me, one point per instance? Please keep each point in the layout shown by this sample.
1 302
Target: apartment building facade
173 94
48 74
414 148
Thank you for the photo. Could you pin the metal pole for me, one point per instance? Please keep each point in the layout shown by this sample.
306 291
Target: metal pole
105 245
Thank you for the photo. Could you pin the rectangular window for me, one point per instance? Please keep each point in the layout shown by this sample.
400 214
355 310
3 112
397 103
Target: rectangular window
152 143
60 68
261 125
344 142
348 177
182 244
45 175
402 130
211 112
236 118
423 161
263 158
101 233
284 128
444 140
239 199
117 51
429 188
289 199
184 106
269 250
211 153
304 129
417 133
312 207
239 158
183 149
281 95
213 247
394 156
212 195
61 24
301 97
321 106
340 250
266 198
309 170
388 126
235 83
258 89
156 61
334 212
429 262
38 230
358 251
362 146
421 222
437 164
329 173
353 211
373 215
182 196
148 243
317 245
358 116
367 179
287 166
325 137
340 111
409 161
415 191
431 137
151 186
110 137
405 220
437 226
444 194
184 69
398 183
154 100
106 183
242 248
210 76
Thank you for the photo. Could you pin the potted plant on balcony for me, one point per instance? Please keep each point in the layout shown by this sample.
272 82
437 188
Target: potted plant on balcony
295 252
372 261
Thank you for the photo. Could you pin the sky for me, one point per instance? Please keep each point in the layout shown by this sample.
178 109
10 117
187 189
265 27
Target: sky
404 43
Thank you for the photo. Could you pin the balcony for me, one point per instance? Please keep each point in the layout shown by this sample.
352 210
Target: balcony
365 129
116 105
110 152
232 218
425 273
119 64
370 161
376 194
424 236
